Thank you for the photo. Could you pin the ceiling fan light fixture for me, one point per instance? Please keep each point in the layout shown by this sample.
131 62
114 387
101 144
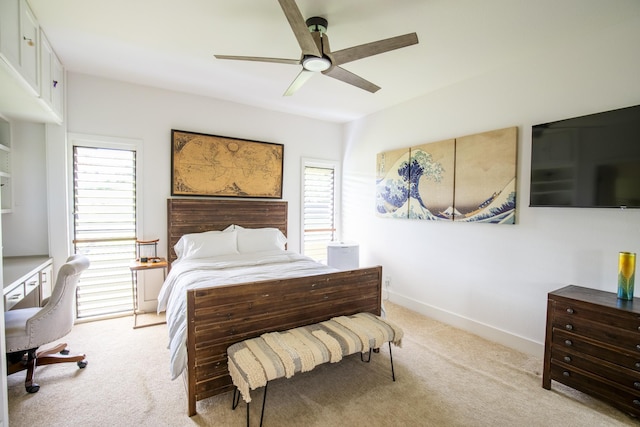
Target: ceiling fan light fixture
315 64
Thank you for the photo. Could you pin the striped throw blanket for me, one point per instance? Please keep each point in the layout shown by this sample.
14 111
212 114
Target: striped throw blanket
274 355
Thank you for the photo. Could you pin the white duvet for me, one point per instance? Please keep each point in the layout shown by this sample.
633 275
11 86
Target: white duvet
221 270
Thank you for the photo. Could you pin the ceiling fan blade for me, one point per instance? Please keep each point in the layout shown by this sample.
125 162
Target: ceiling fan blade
352 79
299 27
298 82
259 59
369 49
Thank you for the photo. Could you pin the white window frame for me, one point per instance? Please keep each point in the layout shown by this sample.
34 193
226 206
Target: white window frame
337 180
106 142
97 141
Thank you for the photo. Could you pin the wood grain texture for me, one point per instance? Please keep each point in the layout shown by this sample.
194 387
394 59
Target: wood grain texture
593 345
223 315
187 216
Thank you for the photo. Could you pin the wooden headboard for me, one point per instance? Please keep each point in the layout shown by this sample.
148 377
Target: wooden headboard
186 216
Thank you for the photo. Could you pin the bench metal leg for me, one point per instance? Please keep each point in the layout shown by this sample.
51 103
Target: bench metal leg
236 398
264 401
393 374
236 401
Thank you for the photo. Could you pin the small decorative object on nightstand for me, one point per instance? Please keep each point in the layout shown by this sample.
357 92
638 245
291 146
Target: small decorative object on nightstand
149 263
147 250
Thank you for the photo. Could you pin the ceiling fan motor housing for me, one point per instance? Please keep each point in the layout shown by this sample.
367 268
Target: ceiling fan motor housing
317 24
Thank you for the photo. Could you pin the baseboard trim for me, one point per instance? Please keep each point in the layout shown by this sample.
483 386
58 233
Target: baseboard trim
483 330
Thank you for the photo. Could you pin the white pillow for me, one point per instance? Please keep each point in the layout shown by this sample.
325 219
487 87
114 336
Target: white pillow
260 239
207 244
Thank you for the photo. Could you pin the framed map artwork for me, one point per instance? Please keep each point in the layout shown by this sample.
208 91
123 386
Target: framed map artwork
211 165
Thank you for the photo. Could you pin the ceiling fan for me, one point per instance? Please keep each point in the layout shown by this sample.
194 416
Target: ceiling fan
317 56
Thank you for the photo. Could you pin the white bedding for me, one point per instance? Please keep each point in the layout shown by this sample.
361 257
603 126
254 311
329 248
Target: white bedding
222 270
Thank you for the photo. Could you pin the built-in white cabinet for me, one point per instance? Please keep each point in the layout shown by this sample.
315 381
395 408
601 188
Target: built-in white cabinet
29 44
5 166
27 53
46 283
10 30
51 76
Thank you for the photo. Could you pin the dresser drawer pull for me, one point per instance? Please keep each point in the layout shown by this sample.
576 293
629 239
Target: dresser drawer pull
567 359
636 402
637 365
566 373
636 384
570 310
569 327
568 342
638 346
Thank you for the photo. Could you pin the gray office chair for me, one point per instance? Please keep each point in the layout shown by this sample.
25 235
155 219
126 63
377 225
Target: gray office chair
29 328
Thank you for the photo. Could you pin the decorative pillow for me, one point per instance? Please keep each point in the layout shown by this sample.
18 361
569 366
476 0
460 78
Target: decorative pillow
260 239
207 244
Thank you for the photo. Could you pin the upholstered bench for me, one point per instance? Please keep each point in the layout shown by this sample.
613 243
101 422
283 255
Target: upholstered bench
256 361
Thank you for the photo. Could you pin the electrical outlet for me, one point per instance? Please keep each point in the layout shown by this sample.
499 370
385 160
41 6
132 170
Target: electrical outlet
387 281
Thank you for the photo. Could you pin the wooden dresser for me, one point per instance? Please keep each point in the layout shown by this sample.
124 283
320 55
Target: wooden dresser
593 345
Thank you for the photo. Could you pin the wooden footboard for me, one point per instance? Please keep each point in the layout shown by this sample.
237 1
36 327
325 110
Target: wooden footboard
225 315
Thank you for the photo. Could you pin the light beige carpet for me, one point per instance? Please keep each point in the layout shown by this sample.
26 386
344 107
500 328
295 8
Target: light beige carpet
445 377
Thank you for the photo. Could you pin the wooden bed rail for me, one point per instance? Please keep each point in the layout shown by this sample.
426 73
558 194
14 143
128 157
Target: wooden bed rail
220 316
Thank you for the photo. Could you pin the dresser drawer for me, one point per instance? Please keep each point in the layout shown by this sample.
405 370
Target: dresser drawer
593 313
14 296
625 358
617 374
622 397
31 284
618 337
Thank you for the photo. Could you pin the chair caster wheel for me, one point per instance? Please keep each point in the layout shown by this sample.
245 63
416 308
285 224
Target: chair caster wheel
82 364
33 388
64 352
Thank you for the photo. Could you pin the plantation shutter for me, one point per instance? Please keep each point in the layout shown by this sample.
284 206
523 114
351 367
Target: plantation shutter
318 211
104 185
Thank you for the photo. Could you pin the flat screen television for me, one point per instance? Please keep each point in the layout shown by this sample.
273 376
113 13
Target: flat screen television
590 161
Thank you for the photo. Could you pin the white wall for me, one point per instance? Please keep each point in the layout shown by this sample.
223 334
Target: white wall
102 107
493 279
25 229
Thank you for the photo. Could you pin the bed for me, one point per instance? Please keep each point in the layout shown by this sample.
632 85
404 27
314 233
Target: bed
217 316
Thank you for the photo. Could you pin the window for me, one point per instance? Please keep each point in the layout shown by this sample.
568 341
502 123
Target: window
318 207
104 226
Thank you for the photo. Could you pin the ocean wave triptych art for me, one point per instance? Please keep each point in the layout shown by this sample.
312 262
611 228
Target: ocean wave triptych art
468 179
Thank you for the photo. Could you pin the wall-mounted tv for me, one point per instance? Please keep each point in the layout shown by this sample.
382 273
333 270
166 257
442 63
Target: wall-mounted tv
588 161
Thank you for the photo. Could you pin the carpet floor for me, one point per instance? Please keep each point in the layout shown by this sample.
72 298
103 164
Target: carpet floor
444 377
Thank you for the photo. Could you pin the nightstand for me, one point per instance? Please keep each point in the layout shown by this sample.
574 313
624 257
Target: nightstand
135 267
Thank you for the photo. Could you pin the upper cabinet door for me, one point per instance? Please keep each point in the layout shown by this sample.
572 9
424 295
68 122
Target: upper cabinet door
46 74
57 86
10 31
51 77
29 55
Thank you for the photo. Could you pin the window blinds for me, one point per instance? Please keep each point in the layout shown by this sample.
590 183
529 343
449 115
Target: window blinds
104 184
318 211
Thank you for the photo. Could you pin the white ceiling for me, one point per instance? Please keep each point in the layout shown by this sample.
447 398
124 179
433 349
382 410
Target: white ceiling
170 44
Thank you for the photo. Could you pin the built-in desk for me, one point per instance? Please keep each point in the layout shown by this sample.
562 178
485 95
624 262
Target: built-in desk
27 280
